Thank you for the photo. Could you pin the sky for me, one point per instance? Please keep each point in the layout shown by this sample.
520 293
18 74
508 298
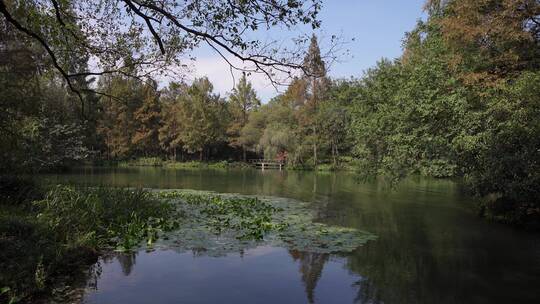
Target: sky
377 26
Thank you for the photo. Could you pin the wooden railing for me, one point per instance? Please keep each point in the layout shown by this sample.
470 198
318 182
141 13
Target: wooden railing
267 163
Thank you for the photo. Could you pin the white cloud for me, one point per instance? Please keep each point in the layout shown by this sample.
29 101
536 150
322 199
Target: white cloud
219 73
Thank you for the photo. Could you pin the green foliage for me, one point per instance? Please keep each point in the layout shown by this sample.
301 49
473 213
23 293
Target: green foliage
504 158
101 217
406 115
417 115
142 161
242 101
146 137
23 275
219 165
197 117
219 224
249 216
62 233
197 165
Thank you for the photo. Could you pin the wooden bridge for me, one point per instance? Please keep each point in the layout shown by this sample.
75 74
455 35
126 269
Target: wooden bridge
267 163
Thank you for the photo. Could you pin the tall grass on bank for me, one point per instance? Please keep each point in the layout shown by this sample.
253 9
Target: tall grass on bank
48 239
142 161
158 162
103 217
197 165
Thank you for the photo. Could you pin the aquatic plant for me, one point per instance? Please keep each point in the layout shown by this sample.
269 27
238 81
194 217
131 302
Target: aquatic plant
219 224
99 217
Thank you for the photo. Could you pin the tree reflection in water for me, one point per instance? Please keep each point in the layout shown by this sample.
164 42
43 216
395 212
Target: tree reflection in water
127 261
311 268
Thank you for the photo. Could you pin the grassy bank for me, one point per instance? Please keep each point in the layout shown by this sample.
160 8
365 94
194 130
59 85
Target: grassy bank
158 162
343 164
63 229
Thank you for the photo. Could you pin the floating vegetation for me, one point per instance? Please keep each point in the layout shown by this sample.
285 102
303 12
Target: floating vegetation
217 224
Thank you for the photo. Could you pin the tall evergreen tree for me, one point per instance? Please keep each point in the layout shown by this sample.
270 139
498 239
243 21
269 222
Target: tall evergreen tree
316 86
242 101
201 117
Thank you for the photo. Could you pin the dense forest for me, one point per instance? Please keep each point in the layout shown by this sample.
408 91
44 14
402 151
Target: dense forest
462 101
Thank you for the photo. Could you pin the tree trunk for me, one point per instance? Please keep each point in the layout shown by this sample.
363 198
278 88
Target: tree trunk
334 153
243 153
201 154
315 161
315 154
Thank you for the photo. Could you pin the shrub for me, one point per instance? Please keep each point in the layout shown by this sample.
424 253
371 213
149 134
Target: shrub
142 161
219 165
98 217
184 165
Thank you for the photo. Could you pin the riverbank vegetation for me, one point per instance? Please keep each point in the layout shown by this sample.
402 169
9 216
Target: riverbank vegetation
50 235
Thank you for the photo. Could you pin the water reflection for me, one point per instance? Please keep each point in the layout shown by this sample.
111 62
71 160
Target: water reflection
311 268
259 275
431 248
127 262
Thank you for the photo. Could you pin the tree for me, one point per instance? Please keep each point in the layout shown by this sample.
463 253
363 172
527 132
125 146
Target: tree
421 113
491 39
251 133
171 121
242 101
279 135
118 125
148 117
201 115
334 123
502 161
40 125
316 87
157 34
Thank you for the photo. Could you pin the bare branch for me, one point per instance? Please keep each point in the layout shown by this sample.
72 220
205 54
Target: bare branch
148 23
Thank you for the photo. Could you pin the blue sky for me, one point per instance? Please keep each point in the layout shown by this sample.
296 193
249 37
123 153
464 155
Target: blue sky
377 26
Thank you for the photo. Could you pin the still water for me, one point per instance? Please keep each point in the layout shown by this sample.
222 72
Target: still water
431 248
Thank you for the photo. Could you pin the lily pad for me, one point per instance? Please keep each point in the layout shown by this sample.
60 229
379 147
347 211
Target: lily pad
217 224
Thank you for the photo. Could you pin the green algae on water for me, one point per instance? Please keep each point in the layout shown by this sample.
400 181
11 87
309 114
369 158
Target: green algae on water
217 224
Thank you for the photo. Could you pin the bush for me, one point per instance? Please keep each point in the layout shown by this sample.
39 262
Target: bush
219 165
142 161
184 165
20 274
326 167
99 217
197 165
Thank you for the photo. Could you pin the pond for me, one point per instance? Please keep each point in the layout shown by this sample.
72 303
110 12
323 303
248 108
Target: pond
430 246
